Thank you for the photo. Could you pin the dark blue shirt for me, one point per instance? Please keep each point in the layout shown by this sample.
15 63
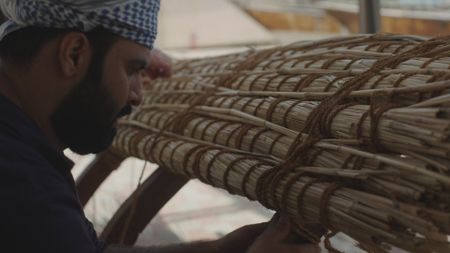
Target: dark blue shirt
39 210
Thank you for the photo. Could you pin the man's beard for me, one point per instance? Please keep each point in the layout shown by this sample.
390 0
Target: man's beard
85 119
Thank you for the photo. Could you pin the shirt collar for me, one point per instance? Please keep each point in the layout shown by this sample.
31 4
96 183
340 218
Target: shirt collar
16 124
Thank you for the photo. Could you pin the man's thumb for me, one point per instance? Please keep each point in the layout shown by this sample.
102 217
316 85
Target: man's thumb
277 230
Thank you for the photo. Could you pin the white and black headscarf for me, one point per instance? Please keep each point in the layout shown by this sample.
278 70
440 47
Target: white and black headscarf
136 20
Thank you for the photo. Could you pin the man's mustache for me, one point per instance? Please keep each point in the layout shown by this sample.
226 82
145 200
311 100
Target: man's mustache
126 110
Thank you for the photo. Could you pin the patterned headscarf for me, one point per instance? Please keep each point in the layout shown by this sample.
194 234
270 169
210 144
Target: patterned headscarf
132 19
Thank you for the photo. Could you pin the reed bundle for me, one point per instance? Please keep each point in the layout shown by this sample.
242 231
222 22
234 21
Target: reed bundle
350 132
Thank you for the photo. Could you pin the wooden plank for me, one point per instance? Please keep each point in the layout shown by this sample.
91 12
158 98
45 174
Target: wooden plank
140 208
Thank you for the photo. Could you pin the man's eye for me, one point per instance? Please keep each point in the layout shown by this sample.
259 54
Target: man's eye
133 71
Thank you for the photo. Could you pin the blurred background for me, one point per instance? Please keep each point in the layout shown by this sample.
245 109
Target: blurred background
198 28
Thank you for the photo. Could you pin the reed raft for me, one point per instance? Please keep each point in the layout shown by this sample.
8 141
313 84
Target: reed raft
349 132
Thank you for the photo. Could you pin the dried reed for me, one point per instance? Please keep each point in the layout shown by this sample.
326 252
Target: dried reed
350 132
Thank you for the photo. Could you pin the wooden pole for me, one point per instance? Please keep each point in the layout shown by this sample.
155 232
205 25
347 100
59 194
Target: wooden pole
369 16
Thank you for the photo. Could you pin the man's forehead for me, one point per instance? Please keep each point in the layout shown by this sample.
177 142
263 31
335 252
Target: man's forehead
130 49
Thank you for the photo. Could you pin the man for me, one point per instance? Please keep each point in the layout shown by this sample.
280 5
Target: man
69 70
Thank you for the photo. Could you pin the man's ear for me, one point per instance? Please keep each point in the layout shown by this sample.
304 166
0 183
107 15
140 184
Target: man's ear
74 52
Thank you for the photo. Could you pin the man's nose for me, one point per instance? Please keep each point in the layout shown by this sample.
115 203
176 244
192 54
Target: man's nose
136 95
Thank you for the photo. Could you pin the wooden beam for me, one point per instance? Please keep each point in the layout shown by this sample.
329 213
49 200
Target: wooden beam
141 207
95 173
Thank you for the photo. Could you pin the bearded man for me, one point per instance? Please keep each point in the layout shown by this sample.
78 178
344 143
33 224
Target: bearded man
68 71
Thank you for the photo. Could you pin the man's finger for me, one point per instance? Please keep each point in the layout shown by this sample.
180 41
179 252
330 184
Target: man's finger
277 230
255 229
160 65
304 248
249 232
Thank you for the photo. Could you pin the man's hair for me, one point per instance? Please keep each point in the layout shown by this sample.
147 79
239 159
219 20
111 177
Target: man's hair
20 47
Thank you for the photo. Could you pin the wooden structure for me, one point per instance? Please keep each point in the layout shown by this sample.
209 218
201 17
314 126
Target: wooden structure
335 17
424 23
130 220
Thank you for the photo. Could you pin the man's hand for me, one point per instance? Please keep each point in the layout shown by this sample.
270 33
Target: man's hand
160 65
266 237
261 238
